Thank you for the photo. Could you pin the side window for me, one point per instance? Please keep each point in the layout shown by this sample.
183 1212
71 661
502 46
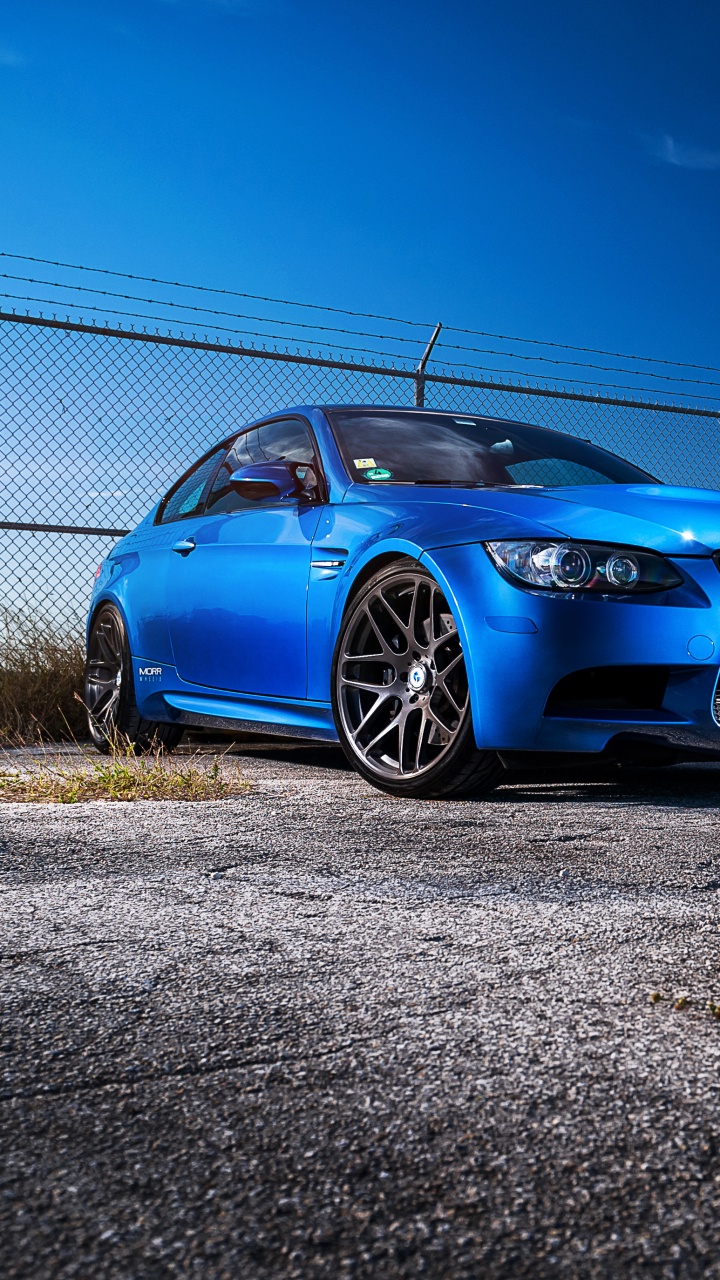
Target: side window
186 498
287 441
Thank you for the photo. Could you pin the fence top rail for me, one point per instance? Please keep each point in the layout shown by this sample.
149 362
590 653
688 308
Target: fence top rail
285 357
25 527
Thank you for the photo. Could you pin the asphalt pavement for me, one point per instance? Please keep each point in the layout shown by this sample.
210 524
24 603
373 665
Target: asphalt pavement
314 1031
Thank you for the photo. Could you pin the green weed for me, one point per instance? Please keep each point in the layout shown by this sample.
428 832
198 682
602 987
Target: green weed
121 776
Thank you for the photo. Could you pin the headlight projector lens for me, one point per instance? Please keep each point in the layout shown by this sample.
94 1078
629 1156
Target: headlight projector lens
622 570
575 566
570 566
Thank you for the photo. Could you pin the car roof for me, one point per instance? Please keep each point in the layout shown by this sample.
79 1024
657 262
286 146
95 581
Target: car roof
378 408
405 408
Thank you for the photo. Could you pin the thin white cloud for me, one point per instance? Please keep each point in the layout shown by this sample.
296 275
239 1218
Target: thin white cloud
682 155
9 58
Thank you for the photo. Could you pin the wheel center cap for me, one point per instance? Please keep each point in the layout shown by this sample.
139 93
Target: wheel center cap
417 677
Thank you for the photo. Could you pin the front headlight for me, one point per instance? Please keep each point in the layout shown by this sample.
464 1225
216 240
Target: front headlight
583 566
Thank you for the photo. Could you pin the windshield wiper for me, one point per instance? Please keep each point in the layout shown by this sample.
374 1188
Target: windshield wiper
462 484
453 484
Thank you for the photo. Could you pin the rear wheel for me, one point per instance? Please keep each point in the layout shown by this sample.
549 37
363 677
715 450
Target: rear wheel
113 716
400 691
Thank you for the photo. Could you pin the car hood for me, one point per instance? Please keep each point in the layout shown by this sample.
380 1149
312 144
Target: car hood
666 518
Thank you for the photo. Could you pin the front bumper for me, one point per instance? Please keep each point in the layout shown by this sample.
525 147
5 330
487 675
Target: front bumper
520 643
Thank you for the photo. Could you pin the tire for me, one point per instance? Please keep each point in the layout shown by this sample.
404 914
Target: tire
113 716
400 691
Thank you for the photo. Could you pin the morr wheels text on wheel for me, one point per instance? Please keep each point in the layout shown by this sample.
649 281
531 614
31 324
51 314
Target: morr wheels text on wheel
113 716
400 690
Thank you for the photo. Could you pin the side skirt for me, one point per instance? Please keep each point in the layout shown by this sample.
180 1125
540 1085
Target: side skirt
291 720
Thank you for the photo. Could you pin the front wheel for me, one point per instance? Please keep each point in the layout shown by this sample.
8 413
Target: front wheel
113 716
400 691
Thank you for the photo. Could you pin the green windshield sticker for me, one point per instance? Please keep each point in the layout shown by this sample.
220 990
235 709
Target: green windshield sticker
378 473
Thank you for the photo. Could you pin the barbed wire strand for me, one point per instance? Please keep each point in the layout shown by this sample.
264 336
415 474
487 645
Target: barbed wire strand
365 315
204 288
678 383
361 351
356 333
210 311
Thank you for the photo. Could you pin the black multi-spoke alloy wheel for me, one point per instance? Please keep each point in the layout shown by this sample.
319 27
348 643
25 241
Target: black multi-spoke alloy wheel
400 690
113 716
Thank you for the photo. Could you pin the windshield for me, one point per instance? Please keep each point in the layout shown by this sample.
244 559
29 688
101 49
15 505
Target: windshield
382 445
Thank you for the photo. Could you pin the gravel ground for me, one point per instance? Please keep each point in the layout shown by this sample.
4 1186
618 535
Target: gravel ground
319 1032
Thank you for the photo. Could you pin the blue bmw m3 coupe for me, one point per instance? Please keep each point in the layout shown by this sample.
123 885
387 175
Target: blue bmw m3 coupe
444 594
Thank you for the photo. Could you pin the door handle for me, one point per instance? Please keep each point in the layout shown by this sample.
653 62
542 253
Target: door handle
184 546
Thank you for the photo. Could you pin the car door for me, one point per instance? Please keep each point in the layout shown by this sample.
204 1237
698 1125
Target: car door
140 560
238 575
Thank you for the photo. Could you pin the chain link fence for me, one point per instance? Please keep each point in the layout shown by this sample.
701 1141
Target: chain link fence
95 424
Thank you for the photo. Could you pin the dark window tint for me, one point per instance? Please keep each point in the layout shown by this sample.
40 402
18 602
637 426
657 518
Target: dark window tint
187 499
554 472
431 448
288 441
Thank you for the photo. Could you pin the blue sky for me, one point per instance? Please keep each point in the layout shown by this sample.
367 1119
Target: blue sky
549 170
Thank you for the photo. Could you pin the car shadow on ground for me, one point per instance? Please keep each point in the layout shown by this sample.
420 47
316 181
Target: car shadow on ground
313 755
695 785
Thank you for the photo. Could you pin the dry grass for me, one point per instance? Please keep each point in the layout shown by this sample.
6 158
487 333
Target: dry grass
41 682
121 776
41 671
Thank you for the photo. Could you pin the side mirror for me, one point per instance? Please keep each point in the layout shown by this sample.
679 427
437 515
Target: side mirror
263 480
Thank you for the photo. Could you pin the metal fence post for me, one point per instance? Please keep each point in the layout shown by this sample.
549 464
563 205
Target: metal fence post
420 371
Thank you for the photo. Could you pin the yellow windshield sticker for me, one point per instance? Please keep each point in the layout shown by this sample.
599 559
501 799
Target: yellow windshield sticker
362 463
